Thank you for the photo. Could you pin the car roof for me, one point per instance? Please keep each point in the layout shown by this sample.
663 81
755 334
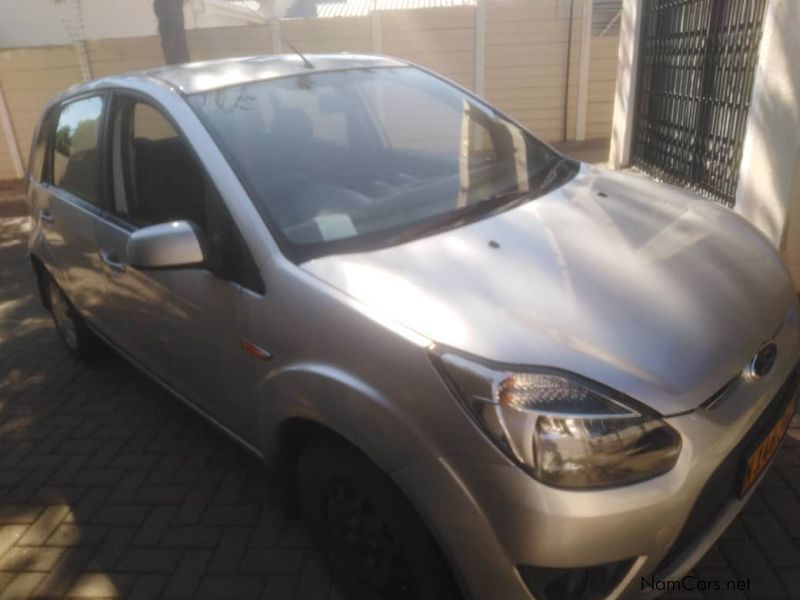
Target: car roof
208 75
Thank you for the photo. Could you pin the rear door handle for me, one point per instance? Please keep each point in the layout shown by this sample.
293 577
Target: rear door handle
112 260
46 217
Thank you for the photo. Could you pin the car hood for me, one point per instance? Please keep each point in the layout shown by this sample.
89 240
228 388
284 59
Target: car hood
637 285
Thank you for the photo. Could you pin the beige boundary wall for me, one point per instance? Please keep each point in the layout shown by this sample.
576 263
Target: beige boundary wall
525 61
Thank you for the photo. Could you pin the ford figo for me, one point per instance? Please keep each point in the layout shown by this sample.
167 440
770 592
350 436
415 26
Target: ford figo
483 369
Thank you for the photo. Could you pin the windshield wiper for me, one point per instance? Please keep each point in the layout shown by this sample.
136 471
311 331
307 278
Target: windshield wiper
553 172
483 208
467 214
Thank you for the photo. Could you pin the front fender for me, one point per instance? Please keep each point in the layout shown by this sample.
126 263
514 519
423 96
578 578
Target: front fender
340 401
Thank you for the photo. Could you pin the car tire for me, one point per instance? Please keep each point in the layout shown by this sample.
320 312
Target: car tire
81 342
376 544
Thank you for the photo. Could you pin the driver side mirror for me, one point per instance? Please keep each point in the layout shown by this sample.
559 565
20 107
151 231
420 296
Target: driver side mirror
167 245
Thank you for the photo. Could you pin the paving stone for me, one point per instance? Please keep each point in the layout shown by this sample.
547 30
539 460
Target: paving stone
90 503
187 576
747 562
231 587
785 505
70 534
792 476
268 530
49 494
10 514
230 551
191 536
786 457
772 540
29 558
121 514
281 587
45 524
5 579
273 561
148 587
148 560
162 494
101 585
231 514
132 460
154 527
230 488
128 486
107 477
791 580
115 543
60 578
21 586
9 535
713 559
194 505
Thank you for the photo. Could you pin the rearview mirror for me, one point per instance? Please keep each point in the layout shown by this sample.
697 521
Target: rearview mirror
167 245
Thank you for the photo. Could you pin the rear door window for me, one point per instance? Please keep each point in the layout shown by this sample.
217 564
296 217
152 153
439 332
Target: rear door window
76 159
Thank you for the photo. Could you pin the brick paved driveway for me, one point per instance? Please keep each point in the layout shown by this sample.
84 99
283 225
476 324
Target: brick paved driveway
110 488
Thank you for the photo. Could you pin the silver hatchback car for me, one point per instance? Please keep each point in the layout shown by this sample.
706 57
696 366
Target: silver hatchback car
482 368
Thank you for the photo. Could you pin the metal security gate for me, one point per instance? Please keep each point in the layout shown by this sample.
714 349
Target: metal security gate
697 62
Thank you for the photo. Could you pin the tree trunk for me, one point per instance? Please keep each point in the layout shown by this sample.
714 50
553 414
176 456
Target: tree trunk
172 30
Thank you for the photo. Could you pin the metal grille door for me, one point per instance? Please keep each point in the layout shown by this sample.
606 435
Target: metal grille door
697 62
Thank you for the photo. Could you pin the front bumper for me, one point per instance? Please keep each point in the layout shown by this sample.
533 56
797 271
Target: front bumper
493 518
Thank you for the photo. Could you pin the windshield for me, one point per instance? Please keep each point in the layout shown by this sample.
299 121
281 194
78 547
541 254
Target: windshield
354 160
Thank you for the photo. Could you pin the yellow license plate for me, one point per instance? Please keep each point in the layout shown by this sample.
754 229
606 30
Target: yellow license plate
760 457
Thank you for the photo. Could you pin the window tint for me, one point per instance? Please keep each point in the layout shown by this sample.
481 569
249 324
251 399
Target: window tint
157 179
75 156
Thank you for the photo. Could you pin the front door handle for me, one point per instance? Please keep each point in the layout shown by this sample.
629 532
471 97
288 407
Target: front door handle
46 217
112 260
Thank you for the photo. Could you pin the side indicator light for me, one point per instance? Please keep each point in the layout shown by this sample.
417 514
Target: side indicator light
254 350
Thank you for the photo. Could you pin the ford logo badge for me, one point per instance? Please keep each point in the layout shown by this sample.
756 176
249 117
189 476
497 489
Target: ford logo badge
763 361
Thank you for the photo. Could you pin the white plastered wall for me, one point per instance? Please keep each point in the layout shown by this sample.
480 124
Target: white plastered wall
769 185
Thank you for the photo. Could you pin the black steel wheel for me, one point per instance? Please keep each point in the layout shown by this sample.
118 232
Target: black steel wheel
377 546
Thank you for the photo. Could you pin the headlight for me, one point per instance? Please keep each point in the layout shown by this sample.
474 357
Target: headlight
565 431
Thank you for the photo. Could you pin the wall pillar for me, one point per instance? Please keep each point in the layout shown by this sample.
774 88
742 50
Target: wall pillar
376 30
7 129
480 48
583 72
625 92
